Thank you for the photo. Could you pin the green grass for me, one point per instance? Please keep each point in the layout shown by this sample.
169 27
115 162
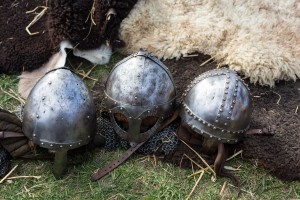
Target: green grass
138 178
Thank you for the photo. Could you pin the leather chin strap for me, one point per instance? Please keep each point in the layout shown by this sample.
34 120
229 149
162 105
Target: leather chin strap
261 131
111 166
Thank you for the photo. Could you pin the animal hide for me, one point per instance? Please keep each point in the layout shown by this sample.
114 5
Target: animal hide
87 24
259 39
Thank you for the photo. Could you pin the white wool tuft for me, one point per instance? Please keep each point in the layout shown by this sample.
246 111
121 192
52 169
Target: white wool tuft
99 56
29 79
259 39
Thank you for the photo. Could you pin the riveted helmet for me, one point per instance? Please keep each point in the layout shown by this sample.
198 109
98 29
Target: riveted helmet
217 105
59 115
139 95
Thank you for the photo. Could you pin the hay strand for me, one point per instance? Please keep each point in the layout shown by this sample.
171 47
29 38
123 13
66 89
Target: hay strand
17 177
205 62
197 182
13 95
36 18
223 188
8 174
234 155
207 165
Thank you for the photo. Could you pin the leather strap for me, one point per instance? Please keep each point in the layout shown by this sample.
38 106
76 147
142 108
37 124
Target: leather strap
261 131
111 166
10 134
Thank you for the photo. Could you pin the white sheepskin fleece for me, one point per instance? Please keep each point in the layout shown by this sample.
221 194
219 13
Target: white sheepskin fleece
259 38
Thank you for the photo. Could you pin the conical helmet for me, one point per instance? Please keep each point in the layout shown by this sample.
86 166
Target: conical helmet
59 115
139 95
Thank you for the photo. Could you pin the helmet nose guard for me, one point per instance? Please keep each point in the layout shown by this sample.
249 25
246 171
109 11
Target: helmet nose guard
60 115
139 87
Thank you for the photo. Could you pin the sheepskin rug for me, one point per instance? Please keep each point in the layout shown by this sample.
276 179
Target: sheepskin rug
259 39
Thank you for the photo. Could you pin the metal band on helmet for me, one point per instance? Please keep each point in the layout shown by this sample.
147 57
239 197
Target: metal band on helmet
139 86
217 105
59 113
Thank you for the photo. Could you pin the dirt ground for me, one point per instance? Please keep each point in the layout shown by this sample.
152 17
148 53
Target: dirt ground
276 107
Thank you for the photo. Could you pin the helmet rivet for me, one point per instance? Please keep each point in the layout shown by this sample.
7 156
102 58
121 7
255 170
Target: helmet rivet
210 136
135 98
34 135
225 124
130 117
121 108
89 136
221 110
51 145
234 94
42 143
218 115
88 116
215 128
228 118
148 111
43 98
61 146
37 116
219 139
50 83
217 121
70 145
79 143
230 112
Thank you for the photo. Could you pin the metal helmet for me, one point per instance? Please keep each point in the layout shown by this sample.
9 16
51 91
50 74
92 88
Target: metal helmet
139 95
217 105
59 115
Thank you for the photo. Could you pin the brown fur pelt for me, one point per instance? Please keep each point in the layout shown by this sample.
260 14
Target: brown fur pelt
82 22
19 50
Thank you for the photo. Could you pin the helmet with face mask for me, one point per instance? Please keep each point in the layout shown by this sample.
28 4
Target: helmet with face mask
59 115
139 95
217 106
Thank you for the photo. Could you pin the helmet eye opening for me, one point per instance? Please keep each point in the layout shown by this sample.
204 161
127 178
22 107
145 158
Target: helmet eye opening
148 123
122 121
